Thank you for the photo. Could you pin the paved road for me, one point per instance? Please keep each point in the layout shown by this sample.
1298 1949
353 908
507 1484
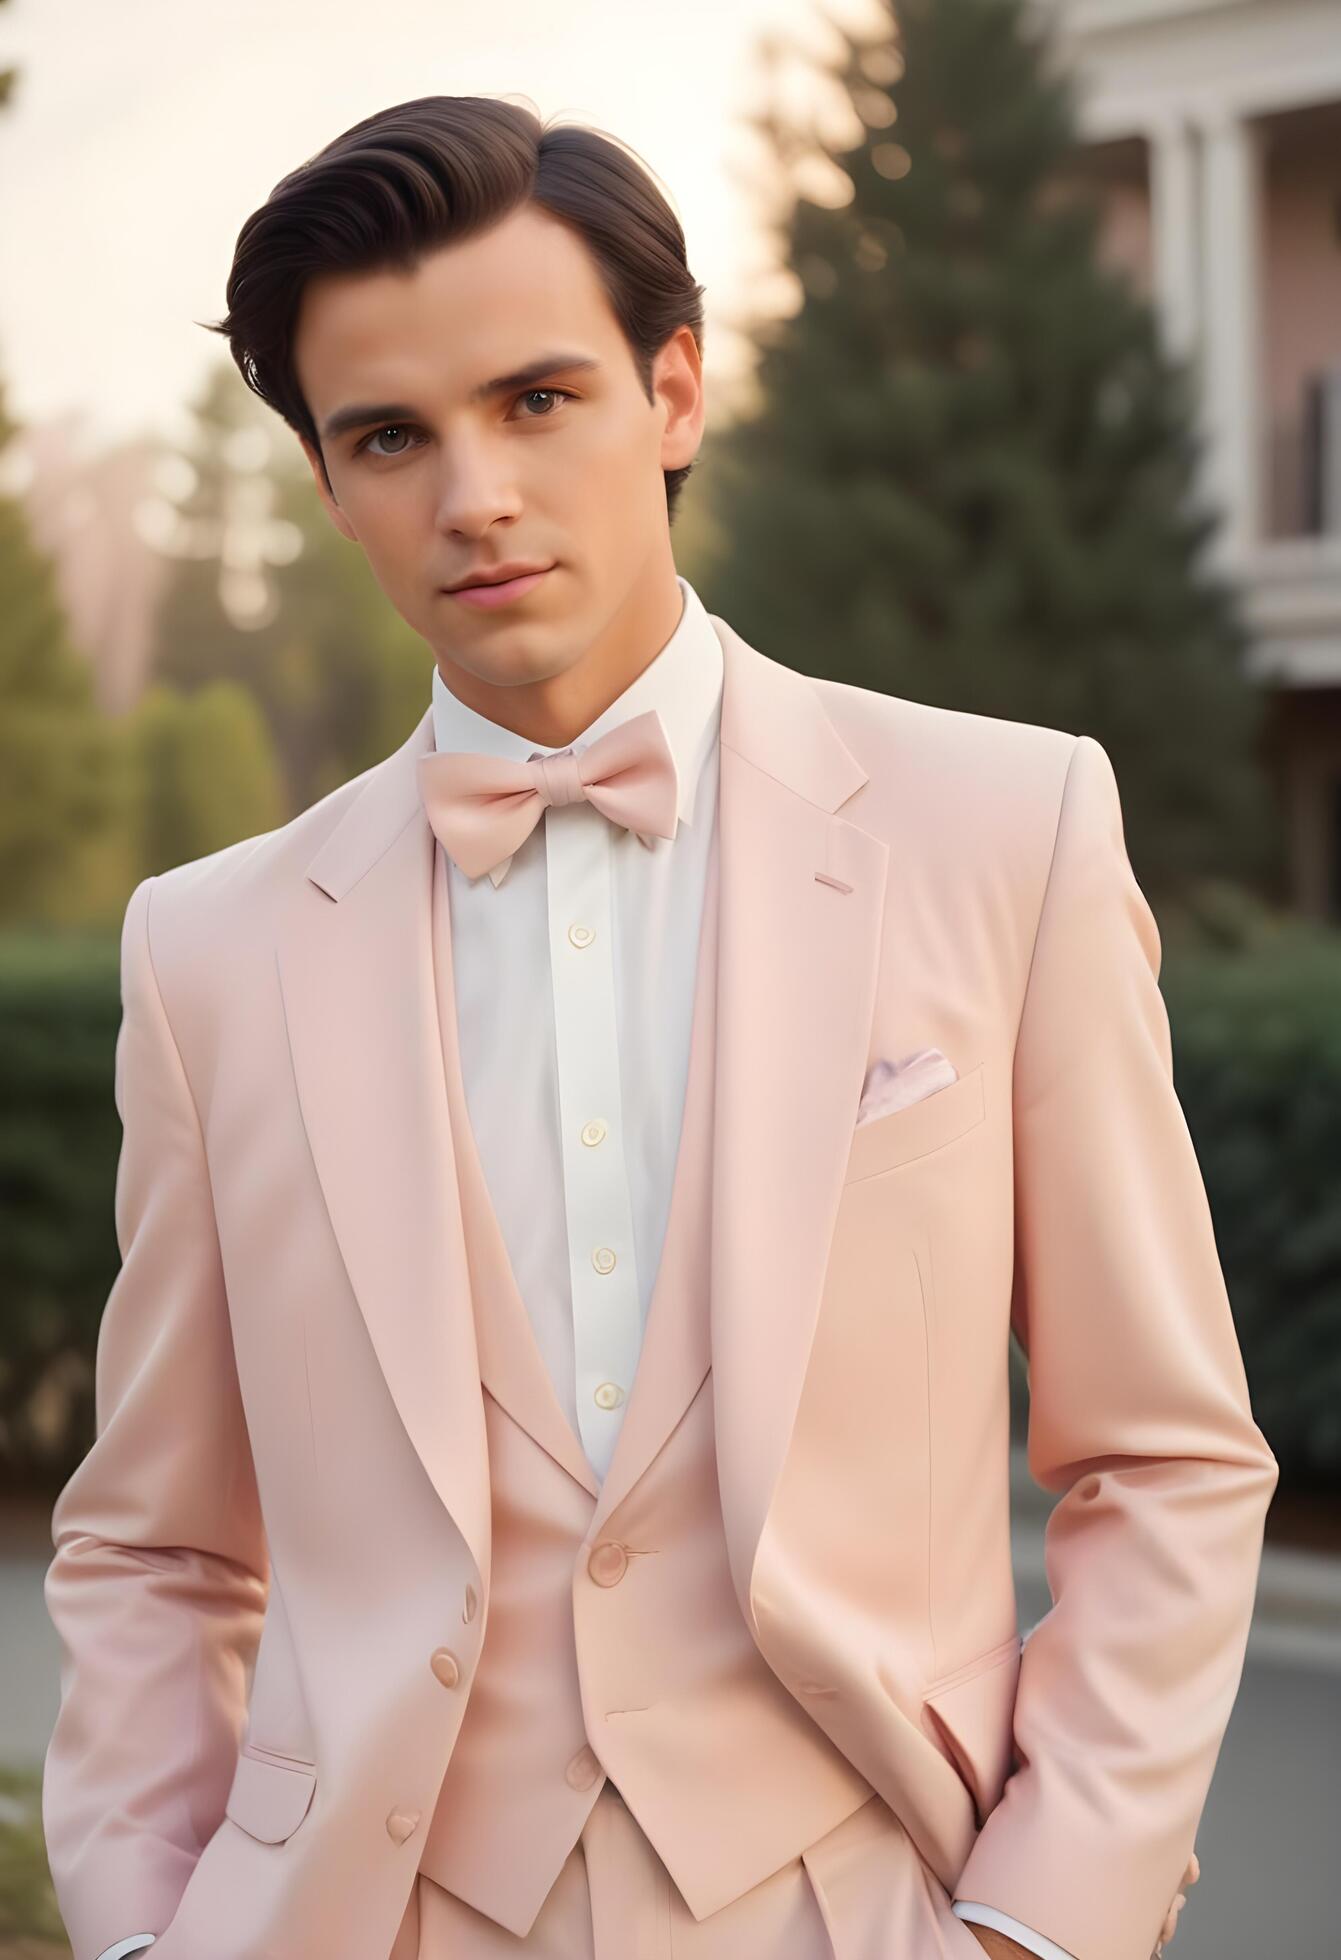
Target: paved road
1270 1839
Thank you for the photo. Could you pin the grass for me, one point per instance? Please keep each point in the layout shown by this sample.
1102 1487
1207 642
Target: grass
30 1925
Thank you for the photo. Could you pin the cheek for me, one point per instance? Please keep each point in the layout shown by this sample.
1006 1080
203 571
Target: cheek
623 483
618 455
392 526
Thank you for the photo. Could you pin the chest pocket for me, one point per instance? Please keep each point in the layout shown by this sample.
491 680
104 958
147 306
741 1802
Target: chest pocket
918 1129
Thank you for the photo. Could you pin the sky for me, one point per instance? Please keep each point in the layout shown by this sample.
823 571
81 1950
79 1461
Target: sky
142 133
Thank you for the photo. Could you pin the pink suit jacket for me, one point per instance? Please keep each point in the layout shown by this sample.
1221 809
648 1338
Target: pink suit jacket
892 876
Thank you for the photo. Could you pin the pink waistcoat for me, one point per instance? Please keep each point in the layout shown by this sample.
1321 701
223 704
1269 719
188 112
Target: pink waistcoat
615 1643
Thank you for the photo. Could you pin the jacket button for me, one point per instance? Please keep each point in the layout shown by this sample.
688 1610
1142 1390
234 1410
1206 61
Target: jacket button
608 1563
400 1823
468 1611
444 1665
582 1772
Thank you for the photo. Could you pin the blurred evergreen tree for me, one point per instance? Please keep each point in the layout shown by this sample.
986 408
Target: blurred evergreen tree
339 675
58 783
205 769
970 474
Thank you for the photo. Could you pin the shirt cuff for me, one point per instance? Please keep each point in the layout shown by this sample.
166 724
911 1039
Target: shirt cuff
133 1943
1002 1922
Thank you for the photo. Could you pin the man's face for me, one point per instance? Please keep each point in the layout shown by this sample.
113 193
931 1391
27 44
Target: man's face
562 470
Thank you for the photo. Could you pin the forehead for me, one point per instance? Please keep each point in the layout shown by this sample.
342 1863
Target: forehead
468 310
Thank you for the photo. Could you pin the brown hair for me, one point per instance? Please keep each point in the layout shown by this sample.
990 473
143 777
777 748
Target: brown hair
436 169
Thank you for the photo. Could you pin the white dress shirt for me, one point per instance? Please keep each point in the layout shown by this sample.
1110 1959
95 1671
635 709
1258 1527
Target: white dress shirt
574 980
574 994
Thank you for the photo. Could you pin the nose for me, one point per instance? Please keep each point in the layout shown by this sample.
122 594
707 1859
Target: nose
475 489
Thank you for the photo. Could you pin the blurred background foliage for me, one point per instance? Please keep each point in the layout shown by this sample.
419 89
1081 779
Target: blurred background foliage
970 477
241 726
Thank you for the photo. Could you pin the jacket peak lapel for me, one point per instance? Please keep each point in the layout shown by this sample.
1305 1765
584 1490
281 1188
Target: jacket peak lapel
802 895
360 1004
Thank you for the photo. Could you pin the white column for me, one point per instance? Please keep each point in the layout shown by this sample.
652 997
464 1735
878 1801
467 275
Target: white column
1231 214
1173 219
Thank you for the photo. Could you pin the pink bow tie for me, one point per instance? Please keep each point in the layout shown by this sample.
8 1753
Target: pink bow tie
483 807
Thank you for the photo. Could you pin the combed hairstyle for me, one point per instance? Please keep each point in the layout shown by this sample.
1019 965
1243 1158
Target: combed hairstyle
427 173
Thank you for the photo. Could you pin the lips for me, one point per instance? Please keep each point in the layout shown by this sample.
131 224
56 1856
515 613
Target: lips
501 592
498 574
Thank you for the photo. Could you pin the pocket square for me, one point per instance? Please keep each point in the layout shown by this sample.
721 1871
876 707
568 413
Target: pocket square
893 1085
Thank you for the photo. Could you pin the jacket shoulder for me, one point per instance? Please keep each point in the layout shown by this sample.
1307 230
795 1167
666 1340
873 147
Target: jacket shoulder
272 859
211 916
1008 776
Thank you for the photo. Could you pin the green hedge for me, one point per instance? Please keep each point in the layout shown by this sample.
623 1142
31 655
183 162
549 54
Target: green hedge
1257 1064
59 1137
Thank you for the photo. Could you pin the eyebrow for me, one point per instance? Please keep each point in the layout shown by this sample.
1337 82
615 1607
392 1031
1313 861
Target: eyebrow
360 414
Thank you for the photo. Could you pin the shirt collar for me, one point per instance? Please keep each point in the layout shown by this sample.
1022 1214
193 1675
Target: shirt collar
683 683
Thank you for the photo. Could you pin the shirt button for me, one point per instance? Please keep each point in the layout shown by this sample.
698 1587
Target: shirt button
608 1396
400 1823
582 1772
581 935
603 1259
468 1611
608 1563
444 1665
593 1132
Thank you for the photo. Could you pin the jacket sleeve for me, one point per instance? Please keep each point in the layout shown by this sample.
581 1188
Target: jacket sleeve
1139 1420
158 1585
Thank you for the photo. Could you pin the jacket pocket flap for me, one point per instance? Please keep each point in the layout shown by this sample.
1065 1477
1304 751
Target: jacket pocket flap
269 1797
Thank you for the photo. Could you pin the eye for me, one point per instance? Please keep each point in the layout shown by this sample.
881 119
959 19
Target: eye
557 394
527 394
398 427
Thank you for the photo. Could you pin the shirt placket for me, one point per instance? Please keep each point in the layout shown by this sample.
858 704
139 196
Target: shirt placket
598 1207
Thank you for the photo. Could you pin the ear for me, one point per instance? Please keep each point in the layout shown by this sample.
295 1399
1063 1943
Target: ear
677 383
333 510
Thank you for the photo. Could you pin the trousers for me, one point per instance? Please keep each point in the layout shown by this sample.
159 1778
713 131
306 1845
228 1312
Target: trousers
862 1892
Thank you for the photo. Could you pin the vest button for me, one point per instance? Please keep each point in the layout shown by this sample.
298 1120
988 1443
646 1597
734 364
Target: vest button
608 1563
400 1823
582 1772
444 1665
468 1611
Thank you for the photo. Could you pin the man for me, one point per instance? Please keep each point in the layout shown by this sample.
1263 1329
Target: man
578 1183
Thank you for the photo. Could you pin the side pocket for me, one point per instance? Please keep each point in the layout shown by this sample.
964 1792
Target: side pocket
969 1715
270 1796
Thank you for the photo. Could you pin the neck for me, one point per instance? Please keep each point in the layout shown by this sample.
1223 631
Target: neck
553 710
